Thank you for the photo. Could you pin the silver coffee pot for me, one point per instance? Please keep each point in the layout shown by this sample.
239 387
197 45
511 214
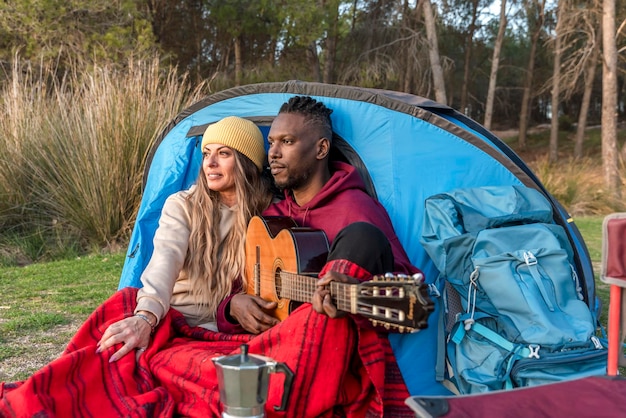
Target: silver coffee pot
243 382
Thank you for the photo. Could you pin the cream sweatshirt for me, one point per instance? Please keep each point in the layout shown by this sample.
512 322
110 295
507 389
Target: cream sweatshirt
165 282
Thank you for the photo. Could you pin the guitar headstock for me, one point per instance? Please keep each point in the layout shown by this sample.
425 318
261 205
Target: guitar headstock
400 302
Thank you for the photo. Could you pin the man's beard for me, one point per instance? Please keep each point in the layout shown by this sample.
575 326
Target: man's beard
293 182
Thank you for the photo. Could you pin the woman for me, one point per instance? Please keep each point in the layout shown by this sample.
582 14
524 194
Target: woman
199 245
198 254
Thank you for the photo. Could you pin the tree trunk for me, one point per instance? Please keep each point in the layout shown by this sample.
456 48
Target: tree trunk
314 61
331 42
271 56
495 63
590 75
609 99
556 81
433 50
468 58
238 63
528 82
405 80
526 98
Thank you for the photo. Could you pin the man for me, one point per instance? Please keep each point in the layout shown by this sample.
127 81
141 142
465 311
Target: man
329 196
323 195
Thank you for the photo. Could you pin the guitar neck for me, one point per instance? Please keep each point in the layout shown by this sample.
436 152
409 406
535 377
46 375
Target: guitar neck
301 289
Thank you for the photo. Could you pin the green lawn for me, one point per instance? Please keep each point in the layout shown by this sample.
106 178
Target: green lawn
43 304
591 230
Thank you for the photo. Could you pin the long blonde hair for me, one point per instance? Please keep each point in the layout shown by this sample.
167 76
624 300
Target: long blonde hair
212 268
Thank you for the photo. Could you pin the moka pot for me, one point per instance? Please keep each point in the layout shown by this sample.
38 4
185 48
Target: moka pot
243 383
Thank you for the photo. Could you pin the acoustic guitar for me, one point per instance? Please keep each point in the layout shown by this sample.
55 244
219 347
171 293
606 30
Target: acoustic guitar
282 263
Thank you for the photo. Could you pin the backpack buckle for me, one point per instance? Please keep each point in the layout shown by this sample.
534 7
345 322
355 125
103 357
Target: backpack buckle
529 258
534 350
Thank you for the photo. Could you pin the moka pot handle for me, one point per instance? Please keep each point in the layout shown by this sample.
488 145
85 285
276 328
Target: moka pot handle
283 368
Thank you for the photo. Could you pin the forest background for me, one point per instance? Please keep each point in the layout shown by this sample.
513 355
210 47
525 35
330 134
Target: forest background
86 86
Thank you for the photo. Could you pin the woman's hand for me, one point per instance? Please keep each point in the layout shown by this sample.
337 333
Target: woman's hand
134 332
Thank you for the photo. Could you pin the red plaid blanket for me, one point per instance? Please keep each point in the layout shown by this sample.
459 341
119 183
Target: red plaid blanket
176 377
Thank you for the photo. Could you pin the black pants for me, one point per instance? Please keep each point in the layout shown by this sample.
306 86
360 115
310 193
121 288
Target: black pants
365 245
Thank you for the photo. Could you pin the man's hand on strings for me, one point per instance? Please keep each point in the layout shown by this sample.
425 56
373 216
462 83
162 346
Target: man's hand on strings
322 301
252 313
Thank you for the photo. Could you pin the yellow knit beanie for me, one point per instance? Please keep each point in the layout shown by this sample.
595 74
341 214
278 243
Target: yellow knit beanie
239 134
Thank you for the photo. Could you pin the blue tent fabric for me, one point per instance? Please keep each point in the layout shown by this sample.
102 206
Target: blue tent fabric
408 147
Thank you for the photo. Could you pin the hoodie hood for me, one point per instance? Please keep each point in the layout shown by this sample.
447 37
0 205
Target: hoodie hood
344 177
334 205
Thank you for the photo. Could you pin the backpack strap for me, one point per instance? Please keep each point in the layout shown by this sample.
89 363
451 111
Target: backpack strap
531 262
440 361
519 351
441 348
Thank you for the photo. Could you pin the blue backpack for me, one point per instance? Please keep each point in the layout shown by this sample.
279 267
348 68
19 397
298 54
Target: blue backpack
513 311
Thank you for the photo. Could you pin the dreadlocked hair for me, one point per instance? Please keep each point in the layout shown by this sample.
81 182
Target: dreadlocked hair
212 268
315 113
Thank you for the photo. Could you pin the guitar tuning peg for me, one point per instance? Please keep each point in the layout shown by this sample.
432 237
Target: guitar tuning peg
418 277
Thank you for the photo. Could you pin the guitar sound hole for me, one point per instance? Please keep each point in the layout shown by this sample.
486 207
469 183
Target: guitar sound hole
278 284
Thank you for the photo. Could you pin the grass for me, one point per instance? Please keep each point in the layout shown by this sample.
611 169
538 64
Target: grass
43 304
73 152
578 184
591 230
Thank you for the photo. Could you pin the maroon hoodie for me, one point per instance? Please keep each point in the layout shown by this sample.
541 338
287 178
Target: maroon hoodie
342 201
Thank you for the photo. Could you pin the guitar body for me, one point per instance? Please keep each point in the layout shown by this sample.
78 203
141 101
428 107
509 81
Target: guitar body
282 264
275 245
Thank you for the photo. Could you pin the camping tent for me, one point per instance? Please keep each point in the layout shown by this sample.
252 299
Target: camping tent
406 148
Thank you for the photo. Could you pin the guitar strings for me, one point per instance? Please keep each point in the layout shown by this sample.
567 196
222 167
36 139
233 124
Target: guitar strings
302 288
